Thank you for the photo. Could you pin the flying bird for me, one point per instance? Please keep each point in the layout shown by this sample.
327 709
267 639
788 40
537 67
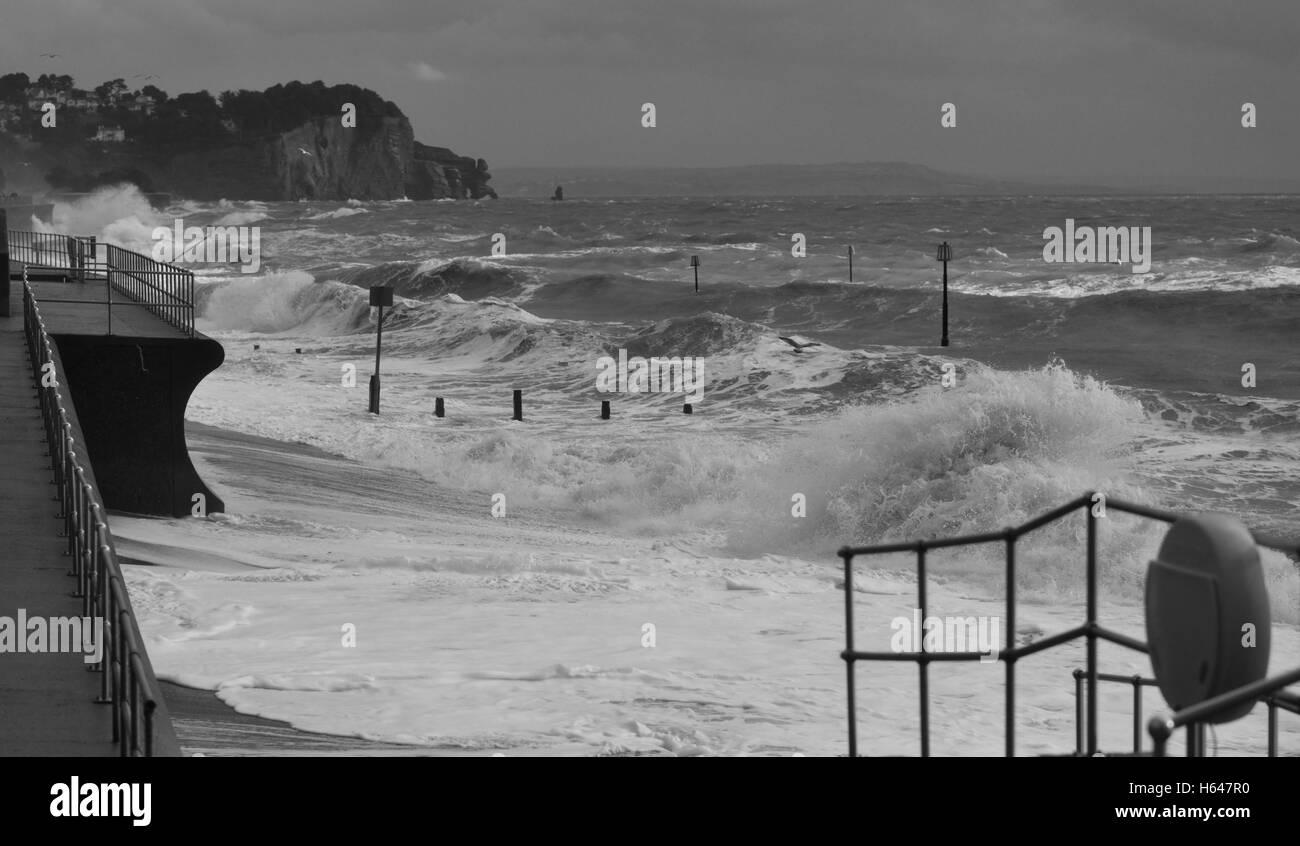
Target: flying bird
51 56
303 151
799 346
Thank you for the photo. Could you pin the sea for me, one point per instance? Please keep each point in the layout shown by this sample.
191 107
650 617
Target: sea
663 583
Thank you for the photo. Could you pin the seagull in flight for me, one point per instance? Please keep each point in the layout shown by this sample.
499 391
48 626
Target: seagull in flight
799 346
51 56
303 151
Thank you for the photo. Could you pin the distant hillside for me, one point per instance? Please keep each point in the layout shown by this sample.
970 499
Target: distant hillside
860 179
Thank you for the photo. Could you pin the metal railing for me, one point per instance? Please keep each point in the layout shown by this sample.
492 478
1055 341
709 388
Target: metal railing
51 250
1274 701
1090 630
164 289
125 681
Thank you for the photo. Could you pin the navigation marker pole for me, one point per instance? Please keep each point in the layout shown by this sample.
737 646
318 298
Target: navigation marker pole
380 295
945 255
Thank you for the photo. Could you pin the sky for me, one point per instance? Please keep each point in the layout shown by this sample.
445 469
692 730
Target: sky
1119 92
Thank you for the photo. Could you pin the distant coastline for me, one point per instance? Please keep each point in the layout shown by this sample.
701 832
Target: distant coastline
829 180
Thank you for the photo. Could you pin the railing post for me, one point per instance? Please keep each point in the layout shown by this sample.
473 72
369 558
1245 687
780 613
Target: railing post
1078 711
848 650
1011 634
1137 714
1092 629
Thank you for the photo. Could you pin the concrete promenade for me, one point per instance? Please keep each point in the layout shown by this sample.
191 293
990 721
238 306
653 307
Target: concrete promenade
47 700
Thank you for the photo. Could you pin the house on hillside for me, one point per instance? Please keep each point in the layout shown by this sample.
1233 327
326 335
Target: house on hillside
79 99
141 104
39 96
110 134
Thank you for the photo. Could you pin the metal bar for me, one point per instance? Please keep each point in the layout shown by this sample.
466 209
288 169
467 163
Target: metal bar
848 650
1092 634
1054 514
922 666
1078 711
919 657
1011 633
1137 714
1044 643
1246 693
1103 633
1272 728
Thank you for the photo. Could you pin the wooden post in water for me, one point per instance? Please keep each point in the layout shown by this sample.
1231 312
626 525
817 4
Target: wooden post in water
604 409
519 404
4 264
850 262
695 263
439 410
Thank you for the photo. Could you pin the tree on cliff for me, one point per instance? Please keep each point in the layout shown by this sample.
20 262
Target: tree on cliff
281 108
55 82
13 87
114 89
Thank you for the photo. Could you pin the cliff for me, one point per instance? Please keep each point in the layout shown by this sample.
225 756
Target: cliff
319 160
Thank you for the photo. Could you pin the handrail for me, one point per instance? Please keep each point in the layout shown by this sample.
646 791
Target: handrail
125 682
165 289
1272 701
1090 629
1193 716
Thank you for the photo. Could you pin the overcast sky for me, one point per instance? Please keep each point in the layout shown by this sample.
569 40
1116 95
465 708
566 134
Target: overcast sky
1104 90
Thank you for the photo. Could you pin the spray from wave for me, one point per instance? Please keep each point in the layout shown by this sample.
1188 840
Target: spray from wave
117 214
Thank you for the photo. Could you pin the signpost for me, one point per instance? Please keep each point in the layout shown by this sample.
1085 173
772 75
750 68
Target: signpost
380 295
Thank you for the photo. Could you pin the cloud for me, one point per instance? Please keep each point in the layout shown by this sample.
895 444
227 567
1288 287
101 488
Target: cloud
426 72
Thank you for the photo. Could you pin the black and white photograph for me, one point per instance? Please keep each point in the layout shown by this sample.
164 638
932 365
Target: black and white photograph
651 378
